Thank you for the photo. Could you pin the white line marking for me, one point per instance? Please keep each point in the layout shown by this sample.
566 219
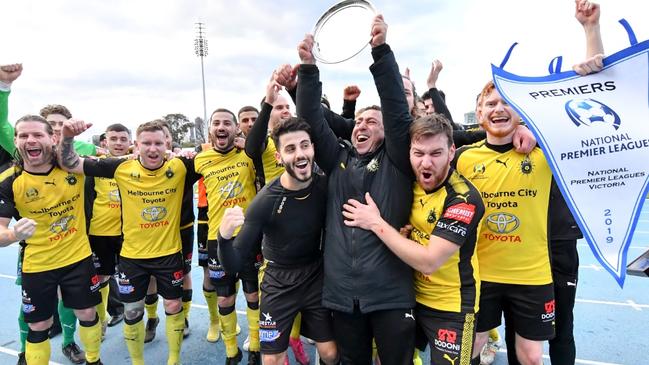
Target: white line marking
591 266
15 353
8 277
628 303
577 361
633 247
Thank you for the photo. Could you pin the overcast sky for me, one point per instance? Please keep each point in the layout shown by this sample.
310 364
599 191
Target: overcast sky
132 61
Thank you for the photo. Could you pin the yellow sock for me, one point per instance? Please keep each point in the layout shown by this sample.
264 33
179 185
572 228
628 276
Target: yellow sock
102 307
91 340
174 326
151 309
38 353
297 322
229 330
494 335
134 336
212 305
253 328
186 306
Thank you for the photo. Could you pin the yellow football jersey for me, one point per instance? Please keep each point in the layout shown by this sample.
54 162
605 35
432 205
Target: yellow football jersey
229 180
452 212
515 188
55 200
272 168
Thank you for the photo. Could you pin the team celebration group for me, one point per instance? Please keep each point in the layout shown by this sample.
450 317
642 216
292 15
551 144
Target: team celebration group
374 233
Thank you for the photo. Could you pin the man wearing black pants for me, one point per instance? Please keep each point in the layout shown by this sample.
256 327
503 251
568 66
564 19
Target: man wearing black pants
368 288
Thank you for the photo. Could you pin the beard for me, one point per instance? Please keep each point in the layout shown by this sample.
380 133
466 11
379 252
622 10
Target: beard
500 131
291 171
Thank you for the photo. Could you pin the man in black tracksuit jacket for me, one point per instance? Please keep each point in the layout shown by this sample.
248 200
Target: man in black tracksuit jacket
368 288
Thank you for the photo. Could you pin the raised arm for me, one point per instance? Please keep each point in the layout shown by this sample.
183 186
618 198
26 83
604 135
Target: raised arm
234 252
350 94
587 14
394 106
69 159
309 92
8 74
257 137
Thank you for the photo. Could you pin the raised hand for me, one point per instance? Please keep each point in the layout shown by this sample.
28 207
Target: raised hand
587 13
74 127
351 92
9 73
435 68
590 65
379 31
233 218
305 50
286 76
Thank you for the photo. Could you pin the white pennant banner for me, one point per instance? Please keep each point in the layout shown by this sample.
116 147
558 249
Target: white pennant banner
594 131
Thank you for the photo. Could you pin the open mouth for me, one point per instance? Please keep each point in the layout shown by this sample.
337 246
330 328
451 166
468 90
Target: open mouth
34 152
498 120
362 138
426 175
222 137
302 165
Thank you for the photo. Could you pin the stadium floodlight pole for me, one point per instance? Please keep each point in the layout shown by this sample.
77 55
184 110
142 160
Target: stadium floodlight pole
200 48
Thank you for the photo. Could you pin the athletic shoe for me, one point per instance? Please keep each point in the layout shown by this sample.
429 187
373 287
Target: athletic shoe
246 344
234 360
186 330
213 332
149 331
21 359
115 319
298 350
254 358
489 351
74 353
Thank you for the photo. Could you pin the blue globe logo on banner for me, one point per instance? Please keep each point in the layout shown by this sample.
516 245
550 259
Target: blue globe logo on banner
588 112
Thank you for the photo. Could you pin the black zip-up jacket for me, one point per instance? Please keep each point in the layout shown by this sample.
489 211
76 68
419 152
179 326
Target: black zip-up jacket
359 268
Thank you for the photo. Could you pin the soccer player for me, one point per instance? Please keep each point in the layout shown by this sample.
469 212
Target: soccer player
104 216
291 279
48 204
229 179
445 217
151 189
367 287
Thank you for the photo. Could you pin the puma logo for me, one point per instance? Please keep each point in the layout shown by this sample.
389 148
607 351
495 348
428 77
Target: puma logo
463 197
452 361
409 315
50 183
421 201
502 162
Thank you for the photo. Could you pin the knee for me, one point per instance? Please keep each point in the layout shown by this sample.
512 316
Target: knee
173 306
328 353
41 326
226 301
252 297
530 355
134 311
85 315
480 340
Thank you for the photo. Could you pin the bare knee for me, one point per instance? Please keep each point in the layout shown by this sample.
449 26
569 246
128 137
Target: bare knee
227 301
134 311
41 326
328 352
273 359
173 306
480 340
85 315
529 352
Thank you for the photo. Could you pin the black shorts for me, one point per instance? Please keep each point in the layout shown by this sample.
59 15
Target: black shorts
187 238
134 275
449 334
201 232
79 289
226 282
284 293
105 253
531 307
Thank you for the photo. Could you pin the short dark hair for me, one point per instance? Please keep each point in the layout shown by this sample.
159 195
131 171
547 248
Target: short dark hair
223 110
55 109
371 107
427 95
431 125
102 137
293 124
117 127
34 118
247 108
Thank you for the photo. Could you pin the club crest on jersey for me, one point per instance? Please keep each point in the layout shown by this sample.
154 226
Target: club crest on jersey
432 216
71 179
526 166
479 168
169 173
31 194
373 165
135 176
